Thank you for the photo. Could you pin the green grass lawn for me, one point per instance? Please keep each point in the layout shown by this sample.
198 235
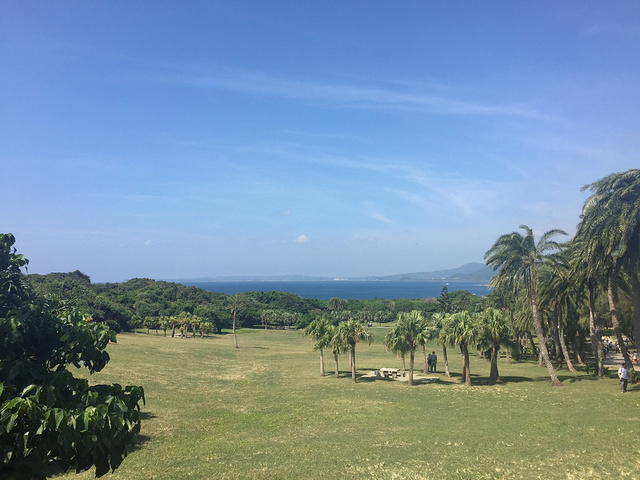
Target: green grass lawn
263 412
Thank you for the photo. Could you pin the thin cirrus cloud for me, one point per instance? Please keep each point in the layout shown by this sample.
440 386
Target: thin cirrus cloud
341 95
382 218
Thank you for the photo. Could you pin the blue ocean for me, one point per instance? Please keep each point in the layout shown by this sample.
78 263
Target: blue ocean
356 290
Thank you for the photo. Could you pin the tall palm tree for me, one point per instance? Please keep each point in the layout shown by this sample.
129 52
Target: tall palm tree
437 320
460 329
429 331
337 346
234 305
350 332
560 294
612 214
319 330
494 330
516 258
394 341
406 335
588 276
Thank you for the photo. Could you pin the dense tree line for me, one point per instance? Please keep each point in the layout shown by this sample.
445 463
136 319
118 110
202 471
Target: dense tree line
186 310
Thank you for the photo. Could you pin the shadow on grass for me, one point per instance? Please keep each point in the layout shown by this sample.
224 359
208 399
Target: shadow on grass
455 378
147 415
141 442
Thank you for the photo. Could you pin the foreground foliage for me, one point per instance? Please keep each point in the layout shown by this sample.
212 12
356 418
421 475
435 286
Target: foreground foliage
51 421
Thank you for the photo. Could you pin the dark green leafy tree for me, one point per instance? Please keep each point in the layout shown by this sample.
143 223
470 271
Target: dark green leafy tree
50 421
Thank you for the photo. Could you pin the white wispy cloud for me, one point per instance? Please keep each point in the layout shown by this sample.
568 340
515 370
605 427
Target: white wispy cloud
302 239
341 95
614 28
382 218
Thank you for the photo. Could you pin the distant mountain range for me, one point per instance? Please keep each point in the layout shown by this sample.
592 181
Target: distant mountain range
469 272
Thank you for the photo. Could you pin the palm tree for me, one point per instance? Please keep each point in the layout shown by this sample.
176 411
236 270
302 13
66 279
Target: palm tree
429 331
337 346
164 324
612 214
234 305
394 341
405 336
460 329
319 331
350 333
437 321
560 293
494 330
516 258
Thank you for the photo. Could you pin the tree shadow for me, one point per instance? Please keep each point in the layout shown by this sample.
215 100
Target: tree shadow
146 415
141 442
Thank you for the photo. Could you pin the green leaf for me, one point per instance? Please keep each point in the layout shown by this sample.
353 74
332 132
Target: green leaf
11 422
59 414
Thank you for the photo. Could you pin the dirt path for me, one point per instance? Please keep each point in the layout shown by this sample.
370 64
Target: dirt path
613 359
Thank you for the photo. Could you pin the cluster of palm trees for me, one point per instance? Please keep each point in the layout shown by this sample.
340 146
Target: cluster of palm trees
179 325
340 338
542 284
487 330
558 279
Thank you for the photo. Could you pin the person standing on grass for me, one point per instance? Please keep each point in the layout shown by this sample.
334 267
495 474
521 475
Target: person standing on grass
429 362
623 375
434 361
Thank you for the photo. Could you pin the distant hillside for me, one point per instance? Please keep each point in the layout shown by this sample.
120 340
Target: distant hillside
469 272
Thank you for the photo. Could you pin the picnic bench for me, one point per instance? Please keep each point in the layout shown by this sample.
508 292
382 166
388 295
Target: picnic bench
389 372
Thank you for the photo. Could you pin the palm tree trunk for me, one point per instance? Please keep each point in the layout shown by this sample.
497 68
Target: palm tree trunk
466 373
335 361
424 358
532 343
403 363
493 376
411 359
235 338
616 325
594 330
555 336
540 334
577 348
447 373
563 345
321 363
353 363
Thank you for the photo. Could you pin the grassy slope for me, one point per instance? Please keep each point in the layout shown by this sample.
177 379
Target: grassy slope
264 412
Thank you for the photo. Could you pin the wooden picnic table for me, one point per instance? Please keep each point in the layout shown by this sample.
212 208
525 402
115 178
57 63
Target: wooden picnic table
389 372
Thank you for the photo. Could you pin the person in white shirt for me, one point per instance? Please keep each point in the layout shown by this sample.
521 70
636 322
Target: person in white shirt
623 375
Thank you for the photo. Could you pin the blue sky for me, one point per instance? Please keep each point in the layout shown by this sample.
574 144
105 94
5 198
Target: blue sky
336 138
